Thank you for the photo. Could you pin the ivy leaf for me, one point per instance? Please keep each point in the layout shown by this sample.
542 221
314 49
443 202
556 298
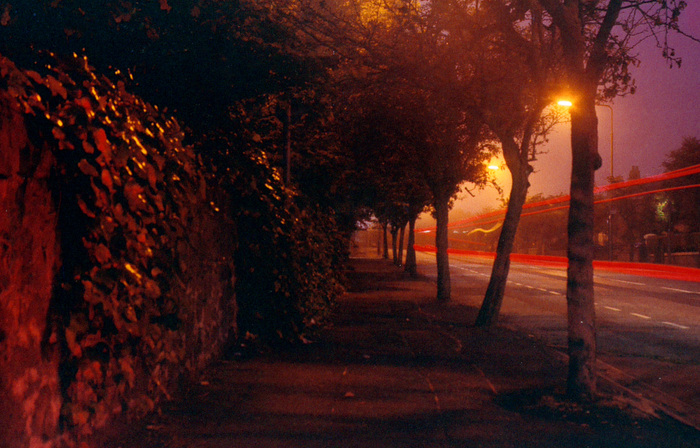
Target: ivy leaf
73 345
106 178
56 87
134 195
127 370
34 76
88 148
164 6
83 206
151 174
152 290
102 254
87 168
102 143
5 19
130 314
86 104
80 417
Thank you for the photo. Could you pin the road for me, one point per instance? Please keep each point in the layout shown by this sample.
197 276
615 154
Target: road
648 329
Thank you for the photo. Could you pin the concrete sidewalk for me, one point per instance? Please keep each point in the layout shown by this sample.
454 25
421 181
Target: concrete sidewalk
397 370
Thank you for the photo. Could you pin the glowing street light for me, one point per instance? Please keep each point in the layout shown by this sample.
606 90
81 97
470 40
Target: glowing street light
565 103
493 167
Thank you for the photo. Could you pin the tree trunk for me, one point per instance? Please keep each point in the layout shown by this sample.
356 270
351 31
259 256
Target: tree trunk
385 239
394 253
411 266
443 264
581 382
585 65
402 232
488 313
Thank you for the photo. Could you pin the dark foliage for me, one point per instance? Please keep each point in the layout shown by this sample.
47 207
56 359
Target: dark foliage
196 57
290 254
135 222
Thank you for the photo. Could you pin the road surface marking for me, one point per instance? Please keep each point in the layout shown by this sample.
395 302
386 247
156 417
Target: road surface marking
435 395
630 283
611 308
680 290
641 316
671 324
556 293
491 386
542 289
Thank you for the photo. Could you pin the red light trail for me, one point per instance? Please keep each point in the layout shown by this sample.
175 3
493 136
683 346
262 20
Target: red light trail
499 214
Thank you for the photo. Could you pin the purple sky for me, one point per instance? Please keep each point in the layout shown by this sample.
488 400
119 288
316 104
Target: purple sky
647 125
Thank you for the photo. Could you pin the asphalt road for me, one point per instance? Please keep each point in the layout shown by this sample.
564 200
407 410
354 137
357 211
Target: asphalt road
648 329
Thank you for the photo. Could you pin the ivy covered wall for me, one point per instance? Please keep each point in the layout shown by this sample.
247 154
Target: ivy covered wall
116 267
30 398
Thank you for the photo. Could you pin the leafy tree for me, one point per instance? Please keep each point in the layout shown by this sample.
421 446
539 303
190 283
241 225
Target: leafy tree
596 38
288 263
635 214
582 48
504 72
542 229
385 43
387 181
445 151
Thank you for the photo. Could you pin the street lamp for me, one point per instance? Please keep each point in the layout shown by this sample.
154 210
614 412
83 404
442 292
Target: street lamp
612 211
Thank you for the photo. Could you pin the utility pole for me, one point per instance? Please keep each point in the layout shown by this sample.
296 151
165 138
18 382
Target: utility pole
611 212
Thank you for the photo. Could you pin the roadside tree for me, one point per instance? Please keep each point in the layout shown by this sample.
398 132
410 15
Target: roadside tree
504 72
596 38
384 43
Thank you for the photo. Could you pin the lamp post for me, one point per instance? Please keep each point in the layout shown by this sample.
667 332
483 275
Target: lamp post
612 137
611 211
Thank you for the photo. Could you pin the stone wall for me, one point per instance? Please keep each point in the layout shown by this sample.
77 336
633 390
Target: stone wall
30 399
116 267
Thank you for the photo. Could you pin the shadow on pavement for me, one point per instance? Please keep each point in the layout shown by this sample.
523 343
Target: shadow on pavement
398 370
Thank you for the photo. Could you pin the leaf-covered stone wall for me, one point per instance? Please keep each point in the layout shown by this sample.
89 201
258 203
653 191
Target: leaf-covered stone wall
116 267
30 398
